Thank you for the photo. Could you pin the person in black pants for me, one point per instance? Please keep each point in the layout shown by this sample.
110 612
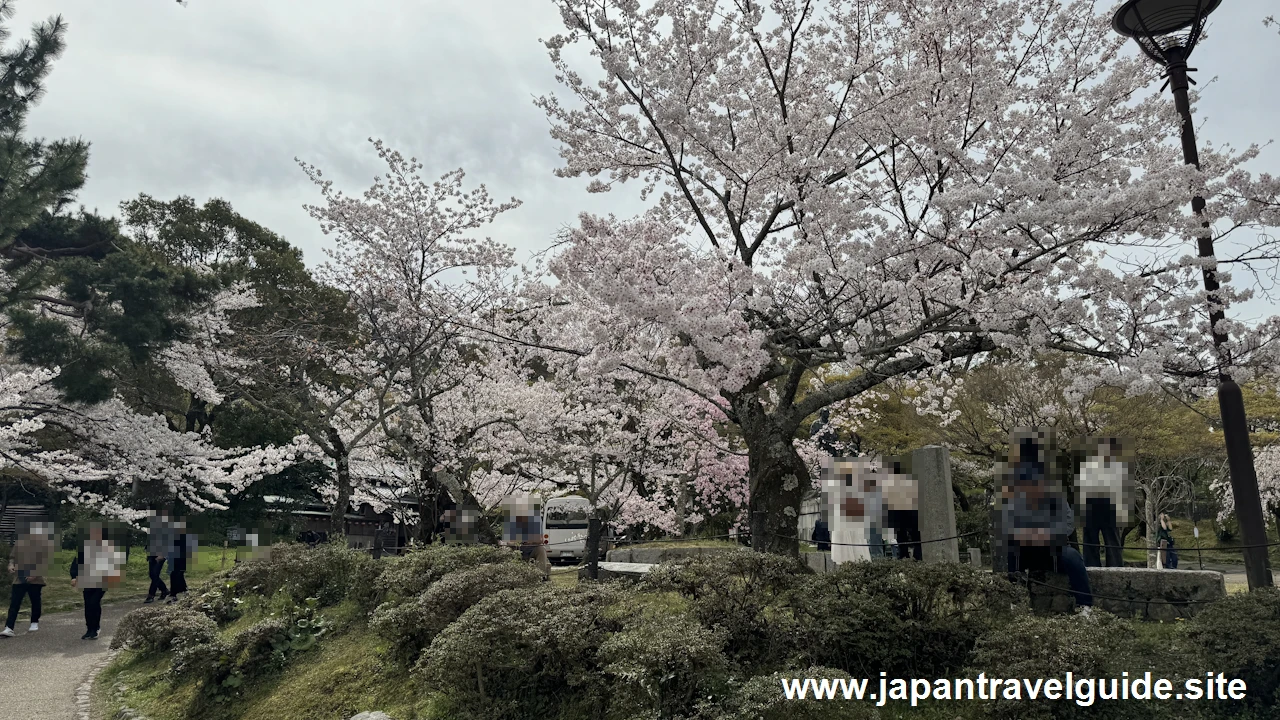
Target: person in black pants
156 546
178 562
92 586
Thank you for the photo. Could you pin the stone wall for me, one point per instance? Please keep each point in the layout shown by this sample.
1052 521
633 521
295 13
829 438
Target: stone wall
1155 594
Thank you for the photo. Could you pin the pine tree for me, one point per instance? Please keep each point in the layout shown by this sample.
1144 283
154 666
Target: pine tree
37 178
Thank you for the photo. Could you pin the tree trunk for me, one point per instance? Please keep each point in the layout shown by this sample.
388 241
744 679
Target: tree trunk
778 480
595 531
342 459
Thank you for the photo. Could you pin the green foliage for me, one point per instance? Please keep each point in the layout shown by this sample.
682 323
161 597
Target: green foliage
412 625
410 575
663 664
327 572
737 593
907 619
1088 646
160 628
1240 636
35 176
762 698
526 653
223 666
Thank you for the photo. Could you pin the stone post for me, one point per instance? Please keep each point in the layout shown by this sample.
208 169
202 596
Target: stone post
931 466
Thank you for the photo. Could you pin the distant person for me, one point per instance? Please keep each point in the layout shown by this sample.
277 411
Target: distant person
902 510
180 553
98 566
1166 554
523 530
1105 495
1034 518
28 564
821 535
157 545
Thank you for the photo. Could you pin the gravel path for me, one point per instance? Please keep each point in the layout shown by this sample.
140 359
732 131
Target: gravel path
43 670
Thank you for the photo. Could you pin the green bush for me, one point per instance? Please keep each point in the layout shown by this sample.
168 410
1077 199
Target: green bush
529 653
762 698
411 626
665 664
1240 637
408 576
327 572
739 593
905 618
223 666
160 628
1030 646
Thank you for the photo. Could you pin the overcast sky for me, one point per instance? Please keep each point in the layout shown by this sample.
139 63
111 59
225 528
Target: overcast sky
215 99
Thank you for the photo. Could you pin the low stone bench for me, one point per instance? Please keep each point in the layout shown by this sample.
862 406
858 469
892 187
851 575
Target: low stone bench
1154 594
616 571
655 555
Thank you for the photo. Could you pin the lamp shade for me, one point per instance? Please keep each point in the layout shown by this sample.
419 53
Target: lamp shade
1147 18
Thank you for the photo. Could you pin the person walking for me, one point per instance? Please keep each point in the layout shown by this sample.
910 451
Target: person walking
28 564
96 567
178 554
156 546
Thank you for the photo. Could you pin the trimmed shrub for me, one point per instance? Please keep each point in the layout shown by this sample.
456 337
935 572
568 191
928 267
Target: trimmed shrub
410 575
762 698
158 628
411 626
1088 646
739 594
528 653
665 663
908 619
326 572
1240 637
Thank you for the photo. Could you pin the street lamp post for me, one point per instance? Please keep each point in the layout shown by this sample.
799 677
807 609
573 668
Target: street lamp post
1167 32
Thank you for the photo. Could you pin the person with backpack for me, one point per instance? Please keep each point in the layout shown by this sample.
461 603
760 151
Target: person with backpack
28 564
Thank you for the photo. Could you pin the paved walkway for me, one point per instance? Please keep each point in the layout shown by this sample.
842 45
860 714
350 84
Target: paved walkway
43 670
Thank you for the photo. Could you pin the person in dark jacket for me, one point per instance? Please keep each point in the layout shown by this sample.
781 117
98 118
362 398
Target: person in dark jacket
157 545
821 535
1035 518
178 555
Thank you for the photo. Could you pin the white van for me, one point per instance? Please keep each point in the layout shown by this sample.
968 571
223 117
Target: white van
564 523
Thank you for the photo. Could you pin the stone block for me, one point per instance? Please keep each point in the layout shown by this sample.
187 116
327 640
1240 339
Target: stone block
819 562
1153 593
616 571
975 557
931 468
655 555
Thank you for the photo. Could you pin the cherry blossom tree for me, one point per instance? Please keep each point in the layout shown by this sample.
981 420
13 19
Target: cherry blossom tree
885 188
409 272
1267 461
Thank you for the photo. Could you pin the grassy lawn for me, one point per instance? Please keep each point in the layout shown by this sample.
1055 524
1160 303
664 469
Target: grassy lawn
59 596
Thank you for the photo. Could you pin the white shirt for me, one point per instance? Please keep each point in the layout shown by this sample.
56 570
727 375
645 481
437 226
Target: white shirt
1109 481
